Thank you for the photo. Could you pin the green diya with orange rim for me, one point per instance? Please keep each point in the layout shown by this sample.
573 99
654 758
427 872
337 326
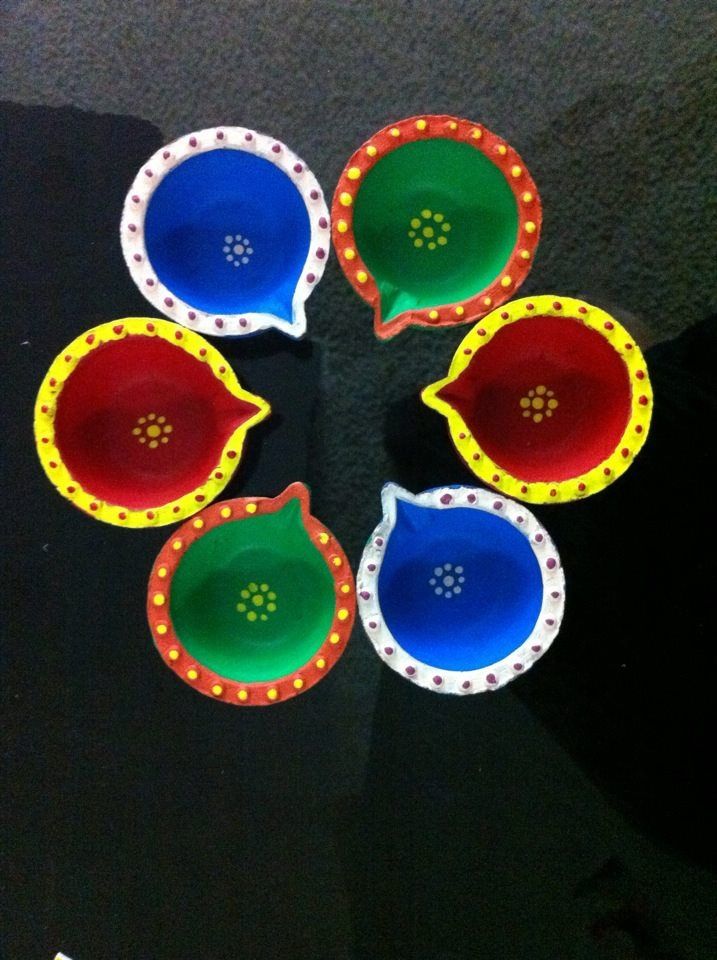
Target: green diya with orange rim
435 222
252 601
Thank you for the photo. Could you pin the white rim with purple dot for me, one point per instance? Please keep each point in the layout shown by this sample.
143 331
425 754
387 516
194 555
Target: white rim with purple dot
502 671
165 300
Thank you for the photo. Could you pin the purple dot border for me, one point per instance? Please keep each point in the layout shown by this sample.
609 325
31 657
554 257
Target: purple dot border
495 675
167 158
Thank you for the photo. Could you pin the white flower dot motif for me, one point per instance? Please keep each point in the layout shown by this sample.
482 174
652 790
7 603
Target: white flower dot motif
237 249
447 580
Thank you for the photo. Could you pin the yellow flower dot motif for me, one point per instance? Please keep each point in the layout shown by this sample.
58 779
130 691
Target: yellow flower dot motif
257 602
152 430
423 229
538 403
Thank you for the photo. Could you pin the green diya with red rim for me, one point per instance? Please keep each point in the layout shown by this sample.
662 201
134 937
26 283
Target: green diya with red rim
253 600
435 222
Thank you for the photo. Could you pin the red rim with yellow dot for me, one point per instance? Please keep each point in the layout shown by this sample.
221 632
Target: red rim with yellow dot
140 423
548 399
506 281
171 627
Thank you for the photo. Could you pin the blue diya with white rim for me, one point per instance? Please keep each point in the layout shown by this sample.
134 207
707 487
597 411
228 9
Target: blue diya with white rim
226 231
460 589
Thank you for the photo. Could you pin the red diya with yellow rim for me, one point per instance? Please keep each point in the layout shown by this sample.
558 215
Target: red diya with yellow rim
435 222
548 399
253 600
140 423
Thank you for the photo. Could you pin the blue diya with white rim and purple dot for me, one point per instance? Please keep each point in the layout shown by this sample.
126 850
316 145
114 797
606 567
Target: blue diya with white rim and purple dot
460 590
226 231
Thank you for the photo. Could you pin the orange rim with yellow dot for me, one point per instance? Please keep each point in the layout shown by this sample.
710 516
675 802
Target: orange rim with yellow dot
359 253
252 601
140 423
548 399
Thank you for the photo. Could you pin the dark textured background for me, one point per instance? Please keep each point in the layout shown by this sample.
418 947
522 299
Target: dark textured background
565 817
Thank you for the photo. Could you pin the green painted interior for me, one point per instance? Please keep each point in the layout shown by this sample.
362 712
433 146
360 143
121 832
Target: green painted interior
467 190
272 549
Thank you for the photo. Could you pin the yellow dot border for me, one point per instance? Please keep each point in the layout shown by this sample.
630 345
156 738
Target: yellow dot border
206 681
51 391
603 473
507 280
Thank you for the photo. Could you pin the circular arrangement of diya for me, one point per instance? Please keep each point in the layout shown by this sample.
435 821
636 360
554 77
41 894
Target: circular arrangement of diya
140 423
226 231
253 600
548 399
435 222
460 591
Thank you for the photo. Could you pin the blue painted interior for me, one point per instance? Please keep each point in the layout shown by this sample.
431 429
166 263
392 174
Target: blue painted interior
220 194
499 600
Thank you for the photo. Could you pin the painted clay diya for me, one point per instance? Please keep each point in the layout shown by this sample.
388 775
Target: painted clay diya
547 399
252 601
435 222
460 590
227 232
141 423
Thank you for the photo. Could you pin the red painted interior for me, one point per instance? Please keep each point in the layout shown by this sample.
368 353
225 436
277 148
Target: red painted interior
590 383
123 380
